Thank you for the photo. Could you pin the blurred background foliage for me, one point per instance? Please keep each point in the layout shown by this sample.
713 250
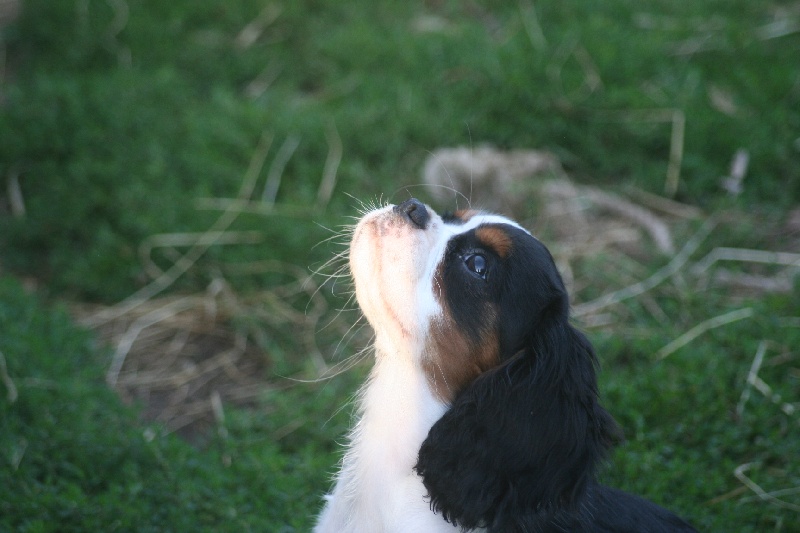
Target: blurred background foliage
121 120
117 115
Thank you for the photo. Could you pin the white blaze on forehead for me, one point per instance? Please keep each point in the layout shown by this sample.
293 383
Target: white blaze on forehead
450 230
486 218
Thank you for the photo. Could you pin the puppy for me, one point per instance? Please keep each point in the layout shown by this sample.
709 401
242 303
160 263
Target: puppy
481 412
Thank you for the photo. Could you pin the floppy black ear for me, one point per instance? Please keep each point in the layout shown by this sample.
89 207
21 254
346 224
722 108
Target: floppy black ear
520 444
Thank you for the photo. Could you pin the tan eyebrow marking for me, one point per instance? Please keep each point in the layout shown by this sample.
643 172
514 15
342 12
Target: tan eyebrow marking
496 239
465 214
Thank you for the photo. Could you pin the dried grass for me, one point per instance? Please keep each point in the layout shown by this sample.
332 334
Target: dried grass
184 356
176 354
11 388
770 497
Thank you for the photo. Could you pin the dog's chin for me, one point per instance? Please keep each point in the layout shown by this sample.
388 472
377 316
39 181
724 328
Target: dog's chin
390 263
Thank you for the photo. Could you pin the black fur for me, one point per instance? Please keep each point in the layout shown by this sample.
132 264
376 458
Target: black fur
519 447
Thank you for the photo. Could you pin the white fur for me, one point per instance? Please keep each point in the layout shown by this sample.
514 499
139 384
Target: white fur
393 265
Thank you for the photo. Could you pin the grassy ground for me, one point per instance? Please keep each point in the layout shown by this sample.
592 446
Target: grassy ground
124 121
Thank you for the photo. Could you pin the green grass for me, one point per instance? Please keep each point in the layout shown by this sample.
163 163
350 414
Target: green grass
684 438
117 116
75 459
126 131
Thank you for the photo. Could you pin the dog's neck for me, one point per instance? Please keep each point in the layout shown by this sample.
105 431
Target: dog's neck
396 410
398 407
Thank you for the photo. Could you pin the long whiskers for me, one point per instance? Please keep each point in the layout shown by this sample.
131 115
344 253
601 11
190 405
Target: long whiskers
436 156
365 207
346 364
336 271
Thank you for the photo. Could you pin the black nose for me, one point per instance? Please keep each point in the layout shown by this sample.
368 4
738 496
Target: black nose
415 211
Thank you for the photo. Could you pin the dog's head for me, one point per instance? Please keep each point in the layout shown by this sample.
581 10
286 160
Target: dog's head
479 304
444 285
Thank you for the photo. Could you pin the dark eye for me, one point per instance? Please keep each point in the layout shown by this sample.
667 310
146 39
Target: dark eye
476 263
